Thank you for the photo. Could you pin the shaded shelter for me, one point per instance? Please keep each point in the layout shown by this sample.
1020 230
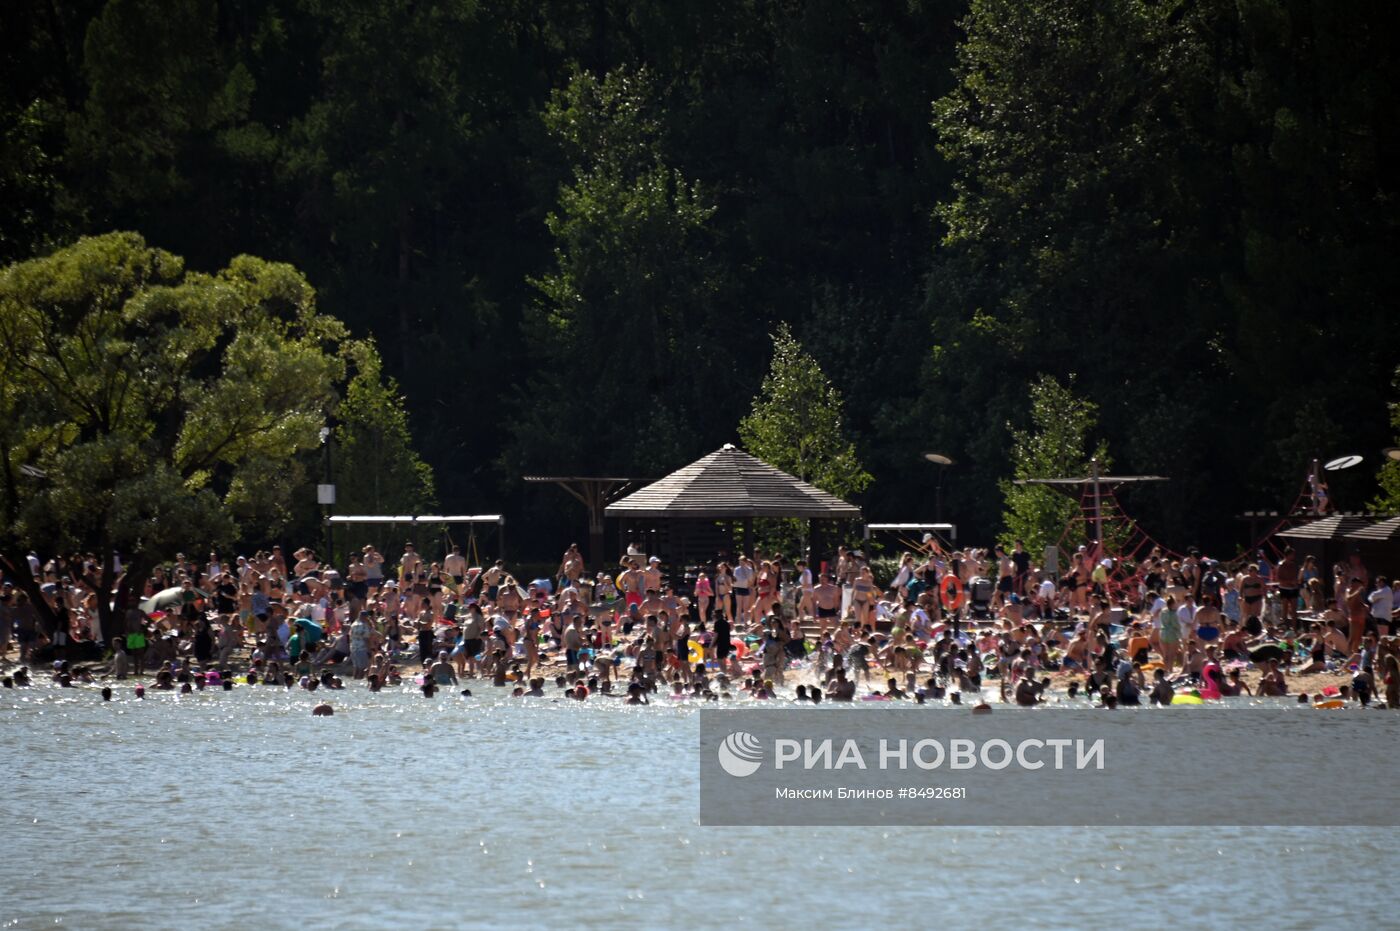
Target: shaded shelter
1326 540
594 493
1379 544
693 513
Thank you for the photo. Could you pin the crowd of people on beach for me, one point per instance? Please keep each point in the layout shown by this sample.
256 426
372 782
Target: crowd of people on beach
946 625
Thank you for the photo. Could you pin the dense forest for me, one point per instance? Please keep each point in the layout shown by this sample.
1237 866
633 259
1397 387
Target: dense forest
572 228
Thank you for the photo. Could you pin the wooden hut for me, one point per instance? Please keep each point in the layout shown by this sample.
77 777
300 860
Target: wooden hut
709 507
1379 544
1326 539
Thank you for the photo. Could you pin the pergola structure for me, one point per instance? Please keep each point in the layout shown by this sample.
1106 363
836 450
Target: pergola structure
594 492
419 520
1094 500
693 512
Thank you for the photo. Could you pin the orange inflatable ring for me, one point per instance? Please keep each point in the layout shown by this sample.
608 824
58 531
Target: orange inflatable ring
951 589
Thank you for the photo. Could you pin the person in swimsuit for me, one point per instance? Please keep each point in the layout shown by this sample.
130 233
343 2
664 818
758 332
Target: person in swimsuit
1357 613
630 582
442 672
745 578
571 568
455 564
806 583
724 591
1251 594
863 591
704 594
827 599
1289 576
1273 682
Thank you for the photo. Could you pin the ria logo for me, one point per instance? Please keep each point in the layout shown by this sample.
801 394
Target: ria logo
740 754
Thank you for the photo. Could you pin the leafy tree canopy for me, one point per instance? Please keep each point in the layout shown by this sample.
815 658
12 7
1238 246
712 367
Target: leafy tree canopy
1055 446
796 422
146 407
380 472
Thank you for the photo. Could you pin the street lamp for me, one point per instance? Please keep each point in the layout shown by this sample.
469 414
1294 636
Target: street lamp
939 459
325 495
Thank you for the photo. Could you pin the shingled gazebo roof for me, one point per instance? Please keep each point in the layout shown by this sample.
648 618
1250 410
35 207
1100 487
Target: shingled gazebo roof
1383 531
729 483
1329 528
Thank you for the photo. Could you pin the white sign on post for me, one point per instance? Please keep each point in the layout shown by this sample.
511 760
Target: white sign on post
325 494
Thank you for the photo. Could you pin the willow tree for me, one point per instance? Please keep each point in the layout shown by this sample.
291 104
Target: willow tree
145 408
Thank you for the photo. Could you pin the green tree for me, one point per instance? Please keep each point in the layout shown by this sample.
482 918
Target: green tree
626 325
796 422
1055 446
379 472
147 407
1170 188
1388 501
1089 158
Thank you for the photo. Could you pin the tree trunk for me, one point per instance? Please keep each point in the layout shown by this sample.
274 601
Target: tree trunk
17 571
109 625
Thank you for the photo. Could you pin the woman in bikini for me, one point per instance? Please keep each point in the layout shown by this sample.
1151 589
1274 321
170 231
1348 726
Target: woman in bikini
763 590
724 592
1251 596
863 591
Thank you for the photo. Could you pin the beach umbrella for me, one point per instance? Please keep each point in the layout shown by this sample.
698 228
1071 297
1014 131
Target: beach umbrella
169 598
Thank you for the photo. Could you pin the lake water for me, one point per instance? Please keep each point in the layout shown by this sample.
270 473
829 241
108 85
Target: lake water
223 809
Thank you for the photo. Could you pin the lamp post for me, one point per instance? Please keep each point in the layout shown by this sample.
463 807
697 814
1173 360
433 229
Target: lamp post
325 495
942 461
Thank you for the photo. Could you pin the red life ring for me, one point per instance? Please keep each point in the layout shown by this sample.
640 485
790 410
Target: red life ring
951 590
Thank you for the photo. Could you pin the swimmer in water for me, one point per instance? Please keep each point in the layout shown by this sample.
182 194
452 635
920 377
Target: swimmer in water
442 672
1162 692
322 710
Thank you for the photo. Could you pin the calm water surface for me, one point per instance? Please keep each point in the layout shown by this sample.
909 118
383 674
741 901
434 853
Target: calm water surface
239 809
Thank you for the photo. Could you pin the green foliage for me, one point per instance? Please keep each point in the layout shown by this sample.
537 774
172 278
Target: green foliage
1388 501
629 309
796 423
1055 446
378 472
569 226
1175 191
145 405
160 89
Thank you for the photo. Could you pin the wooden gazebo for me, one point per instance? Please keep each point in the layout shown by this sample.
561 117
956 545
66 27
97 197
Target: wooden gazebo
1379 544
1327 539
692 514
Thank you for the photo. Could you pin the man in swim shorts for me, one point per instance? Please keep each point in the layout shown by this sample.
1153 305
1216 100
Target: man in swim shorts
455 565
491 579
629 581
827 598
